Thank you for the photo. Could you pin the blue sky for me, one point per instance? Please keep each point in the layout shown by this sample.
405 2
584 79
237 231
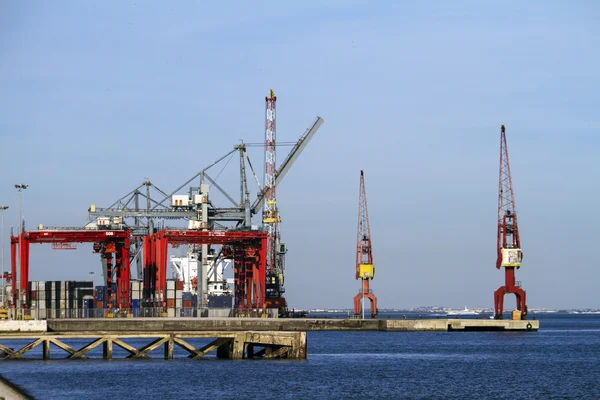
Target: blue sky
96 97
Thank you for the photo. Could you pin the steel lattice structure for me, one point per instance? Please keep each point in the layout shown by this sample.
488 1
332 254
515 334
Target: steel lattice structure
270 215
146 210
365 268
508 241
271 218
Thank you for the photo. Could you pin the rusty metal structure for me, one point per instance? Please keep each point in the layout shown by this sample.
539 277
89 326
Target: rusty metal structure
509 254
365 268
246 248
112 245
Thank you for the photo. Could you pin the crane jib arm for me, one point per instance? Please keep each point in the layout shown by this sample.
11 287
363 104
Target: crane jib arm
289 160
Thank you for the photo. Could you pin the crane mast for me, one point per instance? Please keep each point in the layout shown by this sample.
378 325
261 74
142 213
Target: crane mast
275 254
509 254
365 268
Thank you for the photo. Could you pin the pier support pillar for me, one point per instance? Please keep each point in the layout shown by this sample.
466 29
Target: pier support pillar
107 349
169 347
237 352
46 349
224 350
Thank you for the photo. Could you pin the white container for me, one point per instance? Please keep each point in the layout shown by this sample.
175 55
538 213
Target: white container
170 285
103 221
41 304
170 294
135 295
198 199
180 200
42 313
192 224
171 312
178 294
177 303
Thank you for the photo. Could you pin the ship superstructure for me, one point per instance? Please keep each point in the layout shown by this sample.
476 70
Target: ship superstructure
186 268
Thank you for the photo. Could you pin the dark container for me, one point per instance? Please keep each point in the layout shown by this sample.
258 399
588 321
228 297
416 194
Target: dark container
220 301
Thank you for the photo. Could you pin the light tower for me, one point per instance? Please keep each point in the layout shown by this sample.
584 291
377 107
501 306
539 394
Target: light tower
509 242
2 209
16 294
275 252
365 269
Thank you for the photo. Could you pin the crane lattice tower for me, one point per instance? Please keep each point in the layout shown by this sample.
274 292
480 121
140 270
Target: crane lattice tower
509 254
365 268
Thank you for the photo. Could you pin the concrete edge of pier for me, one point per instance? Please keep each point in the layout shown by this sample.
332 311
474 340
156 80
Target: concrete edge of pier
285 324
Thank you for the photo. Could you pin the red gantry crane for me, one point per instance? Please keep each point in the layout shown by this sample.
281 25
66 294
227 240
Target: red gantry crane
509 242
365 269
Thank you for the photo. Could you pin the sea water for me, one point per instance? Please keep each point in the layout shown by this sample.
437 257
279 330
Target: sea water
561 361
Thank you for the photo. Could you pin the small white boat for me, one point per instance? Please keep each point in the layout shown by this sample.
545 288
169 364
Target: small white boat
465 312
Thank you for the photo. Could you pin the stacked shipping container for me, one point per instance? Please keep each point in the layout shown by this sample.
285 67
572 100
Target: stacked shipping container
60 299
79 299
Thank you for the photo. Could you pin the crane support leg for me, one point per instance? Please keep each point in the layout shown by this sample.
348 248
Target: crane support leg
24 271
367 294
109 278
510 287
13 272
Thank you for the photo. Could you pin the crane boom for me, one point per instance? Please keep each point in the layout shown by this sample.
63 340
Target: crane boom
289 161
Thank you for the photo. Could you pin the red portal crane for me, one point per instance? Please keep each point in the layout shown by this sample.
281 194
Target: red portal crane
247 248
509 242
365 269
110 244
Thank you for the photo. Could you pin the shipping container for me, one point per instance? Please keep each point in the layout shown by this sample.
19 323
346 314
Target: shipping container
170 285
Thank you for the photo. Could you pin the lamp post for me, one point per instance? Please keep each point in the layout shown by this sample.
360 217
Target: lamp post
2 209
20 187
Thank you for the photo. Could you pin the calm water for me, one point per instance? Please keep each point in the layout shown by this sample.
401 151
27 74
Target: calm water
561 361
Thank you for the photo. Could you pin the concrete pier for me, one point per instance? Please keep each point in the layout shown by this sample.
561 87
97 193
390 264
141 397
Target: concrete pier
287 324
232 338
234 345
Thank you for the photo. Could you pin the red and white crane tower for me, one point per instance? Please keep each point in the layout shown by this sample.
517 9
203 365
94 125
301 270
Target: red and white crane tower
275 252
509 241
365 269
